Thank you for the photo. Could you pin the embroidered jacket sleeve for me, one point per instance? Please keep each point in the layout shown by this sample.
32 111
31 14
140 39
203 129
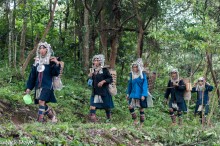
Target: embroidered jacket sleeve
108 77
55 70
210 88
168 91
193 90
145 86
32 78
181 86
129 85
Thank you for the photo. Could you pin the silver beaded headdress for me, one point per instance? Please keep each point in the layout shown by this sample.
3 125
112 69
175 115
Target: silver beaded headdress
140 65
101 59
43 59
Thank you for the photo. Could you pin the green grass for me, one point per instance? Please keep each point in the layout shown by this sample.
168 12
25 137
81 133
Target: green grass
73 127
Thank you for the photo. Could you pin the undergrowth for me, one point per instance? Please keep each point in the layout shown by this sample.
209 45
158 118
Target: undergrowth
74 127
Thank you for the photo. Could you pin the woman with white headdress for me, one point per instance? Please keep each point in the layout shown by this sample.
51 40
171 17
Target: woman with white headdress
101 97
41 79
176 88
137 91
202 88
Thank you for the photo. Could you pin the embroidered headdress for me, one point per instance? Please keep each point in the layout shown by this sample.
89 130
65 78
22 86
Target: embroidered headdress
101 59
140 65
177 72
43 59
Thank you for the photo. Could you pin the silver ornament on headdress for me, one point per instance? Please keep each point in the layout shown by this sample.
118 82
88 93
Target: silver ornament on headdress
201 79
174 71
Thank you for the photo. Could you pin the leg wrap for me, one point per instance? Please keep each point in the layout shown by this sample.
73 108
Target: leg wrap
179 114
180 119
172 115
142 116
108 113
93 115
46 110
41 112
133 114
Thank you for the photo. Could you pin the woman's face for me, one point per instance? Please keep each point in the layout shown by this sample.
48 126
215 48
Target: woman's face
96 62
135 68
174 75
201 82
42 50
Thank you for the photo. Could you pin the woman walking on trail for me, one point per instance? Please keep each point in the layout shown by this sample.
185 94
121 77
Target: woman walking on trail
137 91
41 78
202 88
100 79
176 88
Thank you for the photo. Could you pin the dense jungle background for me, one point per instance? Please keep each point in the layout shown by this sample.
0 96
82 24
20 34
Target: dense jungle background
166 34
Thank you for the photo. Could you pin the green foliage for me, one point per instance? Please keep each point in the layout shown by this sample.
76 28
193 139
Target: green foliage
178 36
73 127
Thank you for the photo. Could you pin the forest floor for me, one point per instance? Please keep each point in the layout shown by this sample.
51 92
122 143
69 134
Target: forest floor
18 124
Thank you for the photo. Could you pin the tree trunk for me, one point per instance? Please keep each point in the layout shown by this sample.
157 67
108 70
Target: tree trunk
115 36
209 61
86 40
92 41
23 34
32 53
10 17
15 52
141 31
14 45
67 14
103 36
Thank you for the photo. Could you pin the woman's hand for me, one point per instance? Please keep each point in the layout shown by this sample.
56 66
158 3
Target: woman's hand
54 59
176 84
100 84
195 84
142 98
165 101
127 97
27 91
90 74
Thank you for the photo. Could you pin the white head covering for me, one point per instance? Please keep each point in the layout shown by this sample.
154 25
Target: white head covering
201 79
140 65
43 59
174 70
101 59
200 87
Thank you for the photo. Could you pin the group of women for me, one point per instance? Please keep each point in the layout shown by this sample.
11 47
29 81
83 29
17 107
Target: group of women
47 67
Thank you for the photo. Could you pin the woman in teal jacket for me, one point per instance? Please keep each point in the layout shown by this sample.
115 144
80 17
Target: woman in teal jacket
137 91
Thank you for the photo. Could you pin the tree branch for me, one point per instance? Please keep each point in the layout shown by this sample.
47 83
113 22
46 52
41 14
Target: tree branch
31 54
132 16
149 20
197 67
96 17
87 6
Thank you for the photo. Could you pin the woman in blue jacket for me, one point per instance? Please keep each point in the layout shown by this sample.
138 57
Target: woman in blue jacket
41 79
202 88
137 91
